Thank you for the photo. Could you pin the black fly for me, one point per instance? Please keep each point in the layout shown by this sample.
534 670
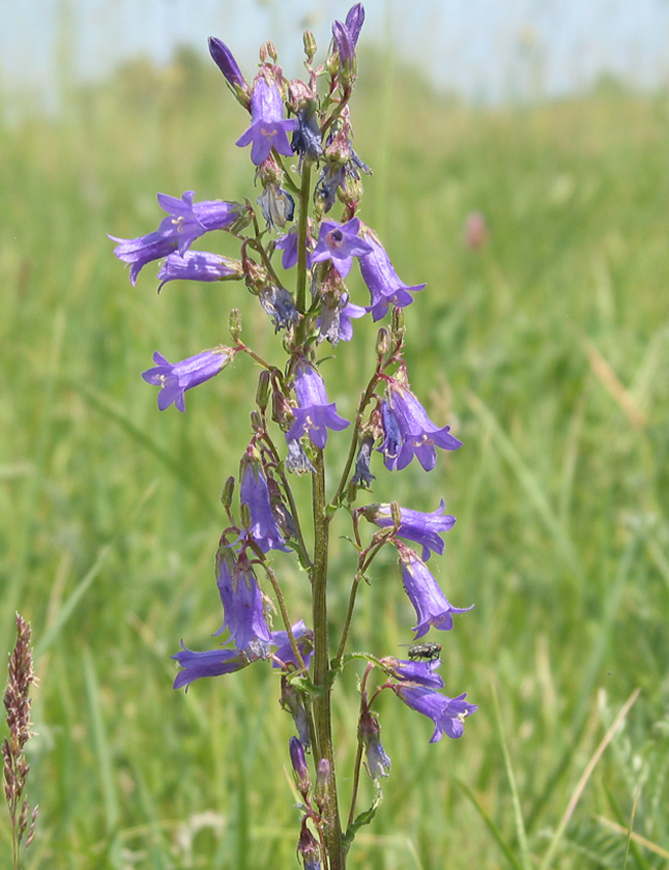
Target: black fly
426 651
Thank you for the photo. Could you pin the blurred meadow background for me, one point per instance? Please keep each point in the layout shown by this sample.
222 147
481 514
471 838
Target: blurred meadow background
546 348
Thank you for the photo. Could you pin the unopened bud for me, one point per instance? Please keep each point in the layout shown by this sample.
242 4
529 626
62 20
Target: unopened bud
382 342
246 515
228 490
263 53
398 323
256 422
262 393
309 43
396 513
322 783
235 324
308 848
299 762
271 50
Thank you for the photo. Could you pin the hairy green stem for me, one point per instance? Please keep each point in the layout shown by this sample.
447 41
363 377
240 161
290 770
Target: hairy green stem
305 193
322 699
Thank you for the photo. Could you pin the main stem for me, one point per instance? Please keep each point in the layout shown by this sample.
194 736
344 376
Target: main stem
322 699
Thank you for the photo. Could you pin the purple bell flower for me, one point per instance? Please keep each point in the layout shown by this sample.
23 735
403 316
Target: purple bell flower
198 266
211 663
222 57
187 221
304 638
404 415
175 379
431 606
314 414
255 493
244 604
448 714
422 528
416 673
268 127
340 243
383 282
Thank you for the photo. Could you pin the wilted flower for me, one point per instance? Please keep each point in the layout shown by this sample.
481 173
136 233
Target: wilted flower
404 415
448 714
293 702
277 206
268 127
340 243
314 414
363 476
297 460
308 848
278 303
383 282
423 528
430 603
198 266
255 493
175 379
187 221
369 731
335 319
244 605
307 137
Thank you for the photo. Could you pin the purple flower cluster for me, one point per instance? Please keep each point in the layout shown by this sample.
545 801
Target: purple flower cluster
309 122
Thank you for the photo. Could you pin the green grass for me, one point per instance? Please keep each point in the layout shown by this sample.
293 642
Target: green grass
110 511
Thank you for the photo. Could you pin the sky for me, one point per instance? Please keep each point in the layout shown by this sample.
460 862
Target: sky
485 50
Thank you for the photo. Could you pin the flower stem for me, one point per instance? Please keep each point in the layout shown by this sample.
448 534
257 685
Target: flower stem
305 192
322 699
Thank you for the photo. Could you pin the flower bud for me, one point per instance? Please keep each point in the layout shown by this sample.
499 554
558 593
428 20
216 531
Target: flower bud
396 513
235 324
262 393
309 43
246 515
293 703
323 775
308 848
299 762
398 324
271 50
256 422
227 493
382 342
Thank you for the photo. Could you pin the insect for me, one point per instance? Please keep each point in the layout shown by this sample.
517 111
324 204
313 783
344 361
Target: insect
426 651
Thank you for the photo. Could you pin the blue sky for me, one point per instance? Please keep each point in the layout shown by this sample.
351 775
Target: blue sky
484 49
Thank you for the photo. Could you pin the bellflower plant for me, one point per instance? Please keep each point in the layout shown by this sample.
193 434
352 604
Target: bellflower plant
303 178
